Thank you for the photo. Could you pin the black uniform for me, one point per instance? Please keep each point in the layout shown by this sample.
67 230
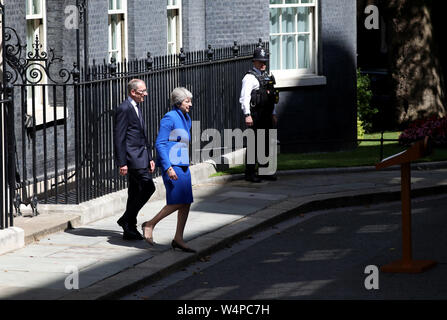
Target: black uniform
261 108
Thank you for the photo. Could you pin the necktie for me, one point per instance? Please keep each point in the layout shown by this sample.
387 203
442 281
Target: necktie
140 115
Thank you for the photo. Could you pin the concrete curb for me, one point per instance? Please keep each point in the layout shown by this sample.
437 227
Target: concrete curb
167 262
414 166
72 216
12 238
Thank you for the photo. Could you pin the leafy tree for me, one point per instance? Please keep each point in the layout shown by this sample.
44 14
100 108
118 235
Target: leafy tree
365 110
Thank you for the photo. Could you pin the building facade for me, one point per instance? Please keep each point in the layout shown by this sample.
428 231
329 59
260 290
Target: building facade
312 44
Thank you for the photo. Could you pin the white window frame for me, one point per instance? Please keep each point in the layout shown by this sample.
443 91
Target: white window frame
176 32
40 29
299 76
122 36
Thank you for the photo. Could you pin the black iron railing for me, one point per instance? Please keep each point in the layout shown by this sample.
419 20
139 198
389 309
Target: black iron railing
63 139
213 76
6 134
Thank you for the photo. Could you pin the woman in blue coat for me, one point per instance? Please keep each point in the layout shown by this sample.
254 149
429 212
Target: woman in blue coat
172 147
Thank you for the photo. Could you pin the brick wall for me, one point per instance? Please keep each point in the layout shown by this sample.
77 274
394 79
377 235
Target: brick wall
194 24
147 27
244 21
98 33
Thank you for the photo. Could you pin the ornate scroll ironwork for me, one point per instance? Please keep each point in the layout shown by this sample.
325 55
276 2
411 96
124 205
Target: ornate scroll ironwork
30 66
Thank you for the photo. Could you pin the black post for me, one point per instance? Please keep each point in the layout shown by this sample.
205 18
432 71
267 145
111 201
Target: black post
235 49
85 16
10 164
78 42
182 59
82 17
210 53
76 75
149 62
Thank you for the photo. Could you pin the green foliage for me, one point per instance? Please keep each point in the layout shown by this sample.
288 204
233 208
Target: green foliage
364 94
360 129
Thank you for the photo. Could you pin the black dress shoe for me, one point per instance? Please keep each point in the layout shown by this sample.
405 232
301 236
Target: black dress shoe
253 178
131 235
269 177
135 230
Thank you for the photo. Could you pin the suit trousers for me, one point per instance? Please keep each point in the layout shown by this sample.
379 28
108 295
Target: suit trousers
140 189
260 121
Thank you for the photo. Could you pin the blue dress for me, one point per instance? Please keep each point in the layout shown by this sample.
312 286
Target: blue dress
172 147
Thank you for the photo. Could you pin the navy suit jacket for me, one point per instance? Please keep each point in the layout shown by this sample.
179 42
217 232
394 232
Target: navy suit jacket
130 137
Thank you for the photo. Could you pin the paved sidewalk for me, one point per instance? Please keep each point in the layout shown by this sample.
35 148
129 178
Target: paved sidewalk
222 211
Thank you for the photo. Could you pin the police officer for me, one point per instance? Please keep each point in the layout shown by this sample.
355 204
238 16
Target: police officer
258 98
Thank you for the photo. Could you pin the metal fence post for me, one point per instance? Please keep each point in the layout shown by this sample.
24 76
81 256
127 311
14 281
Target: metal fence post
182 59
10 165
76 109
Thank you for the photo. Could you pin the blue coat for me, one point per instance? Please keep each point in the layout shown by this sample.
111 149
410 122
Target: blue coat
172 142
130 138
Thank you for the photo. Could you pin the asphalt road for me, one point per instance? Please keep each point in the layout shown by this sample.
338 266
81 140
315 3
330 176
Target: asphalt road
321 255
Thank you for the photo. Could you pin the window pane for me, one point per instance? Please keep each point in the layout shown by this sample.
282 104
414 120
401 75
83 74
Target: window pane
292 1
29 35
170 25
288 52
274 20
118 4
288 20
274 53
276 1
303 20
114 32
307 1
110 4
36 7
171 48
303 52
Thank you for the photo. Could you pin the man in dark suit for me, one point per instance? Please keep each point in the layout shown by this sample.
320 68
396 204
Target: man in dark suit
133 156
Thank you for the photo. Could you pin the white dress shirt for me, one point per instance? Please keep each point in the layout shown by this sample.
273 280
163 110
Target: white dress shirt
249 83
134 106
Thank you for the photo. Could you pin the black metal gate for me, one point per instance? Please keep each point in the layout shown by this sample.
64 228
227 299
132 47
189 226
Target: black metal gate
6 134
44 148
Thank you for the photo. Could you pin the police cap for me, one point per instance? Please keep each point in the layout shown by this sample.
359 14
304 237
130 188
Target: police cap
260 54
